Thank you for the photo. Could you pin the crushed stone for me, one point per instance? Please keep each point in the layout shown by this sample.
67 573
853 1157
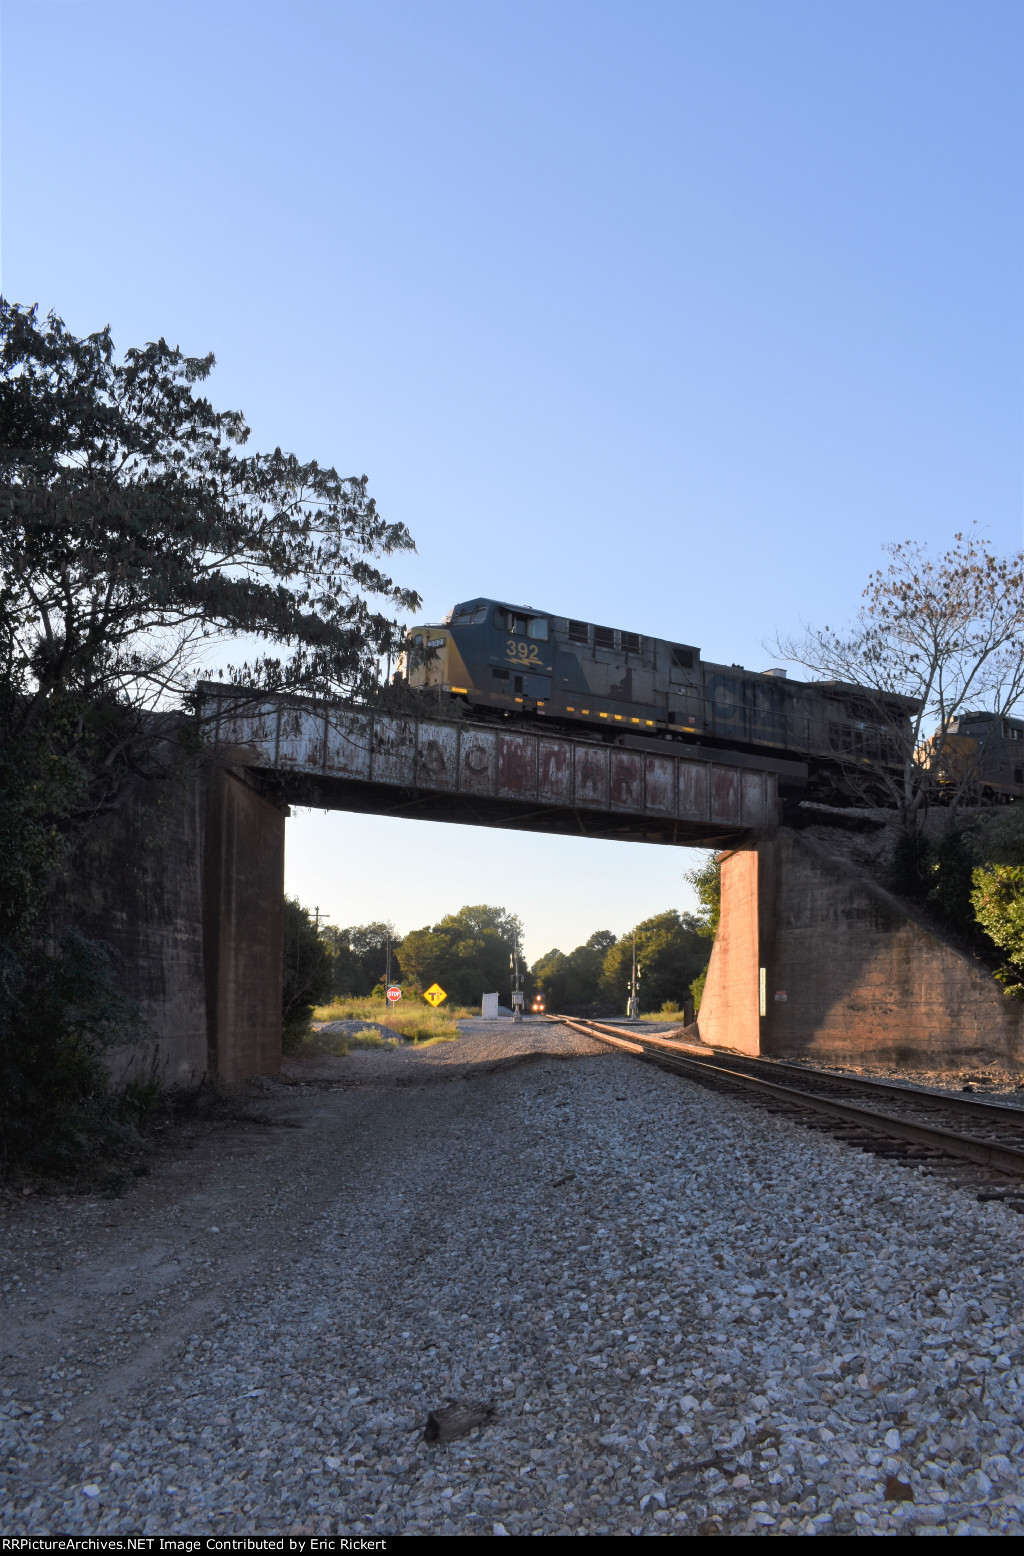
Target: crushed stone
690 1316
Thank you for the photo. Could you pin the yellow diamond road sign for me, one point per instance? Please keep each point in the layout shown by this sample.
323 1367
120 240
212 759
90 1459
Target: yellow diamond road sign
435 994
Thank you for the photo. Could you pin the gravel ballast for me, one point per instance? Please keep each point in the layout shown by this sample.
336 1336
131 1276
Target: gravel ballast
686 1313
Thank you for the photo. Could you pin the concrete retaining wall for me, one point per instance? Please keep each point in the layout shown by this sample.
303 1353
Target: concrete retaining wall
185 883
850 975
728 1011
243 916
137 886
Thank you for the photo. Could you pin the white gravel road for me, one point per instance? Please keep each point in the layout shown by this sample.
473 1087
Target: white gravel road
688 1314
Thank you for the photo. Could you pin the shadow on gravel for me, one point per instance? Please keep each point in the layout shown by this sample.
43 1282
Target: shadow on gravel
432 1075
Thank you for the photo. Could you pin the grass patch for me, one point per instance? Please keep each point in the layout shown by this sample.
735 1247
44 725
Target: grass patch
411 1017
338 1044
369 1037
677 1017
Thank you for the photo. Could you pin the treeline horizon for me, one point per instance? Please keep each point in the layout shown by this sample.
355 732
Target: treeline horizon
469 954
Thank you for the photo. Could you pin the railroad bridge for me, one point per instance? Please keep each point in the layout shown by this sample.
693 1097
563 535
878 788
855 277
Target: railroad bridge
808 959
484 774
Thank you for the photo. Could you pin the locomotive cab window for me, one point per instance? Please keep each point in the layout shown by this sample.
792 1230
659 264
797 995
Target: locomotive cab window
521 625
682 658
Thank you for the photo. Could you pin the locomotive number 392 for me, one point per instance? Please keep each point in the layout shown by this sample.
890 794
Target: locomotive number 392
522 653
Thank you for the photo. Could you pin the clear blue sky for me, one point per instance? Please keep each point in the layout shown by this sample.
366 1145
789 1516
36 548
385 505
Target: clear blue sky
667 315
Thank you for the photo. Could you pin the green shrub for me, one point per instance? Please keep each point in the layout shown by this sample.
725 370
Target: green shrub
998 901
58 1112
307 974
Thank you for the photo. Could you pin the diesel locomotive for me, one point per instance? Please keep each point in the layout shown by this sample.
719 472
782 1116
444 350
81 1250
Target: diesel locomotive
987 748
513 661
518 662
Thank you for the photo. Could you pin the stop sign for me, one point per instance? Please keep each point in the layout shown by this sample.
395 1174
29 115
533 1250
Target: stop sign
394 993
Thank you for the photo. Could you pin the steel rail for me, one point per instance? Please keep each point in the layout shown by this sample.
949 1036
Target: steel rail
1001 1112
983 1152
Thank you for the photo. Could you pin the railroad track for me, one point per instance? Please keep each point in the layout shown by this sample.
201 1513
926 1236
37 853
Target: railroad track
909 1123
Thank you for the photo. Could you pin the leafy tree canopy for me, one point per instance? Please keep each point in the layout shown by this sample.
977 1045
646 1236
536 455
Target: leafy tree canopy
467 953
360 956
671 950
707 883
945 632
137 531
572 984
308 974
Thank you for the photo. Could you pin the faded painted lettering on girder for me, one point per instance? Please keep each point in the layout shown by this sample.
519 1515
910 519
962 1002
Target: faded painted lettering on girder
394 744
437 753
554 772
660 785
478 761
524 765
517 767
725 794
592 777
626 781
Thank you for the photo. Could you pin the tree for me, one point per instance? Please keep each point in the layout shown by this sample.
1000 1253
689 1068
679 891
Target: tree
706 881
934 639
307 972
135 531
466 952
996 842
138 538
360 956
572 984
671 950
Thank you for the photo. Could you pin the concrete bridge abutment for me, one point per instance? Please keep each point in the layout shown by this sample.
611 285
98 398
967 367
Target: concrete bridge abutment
185 885
813 960
243 928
